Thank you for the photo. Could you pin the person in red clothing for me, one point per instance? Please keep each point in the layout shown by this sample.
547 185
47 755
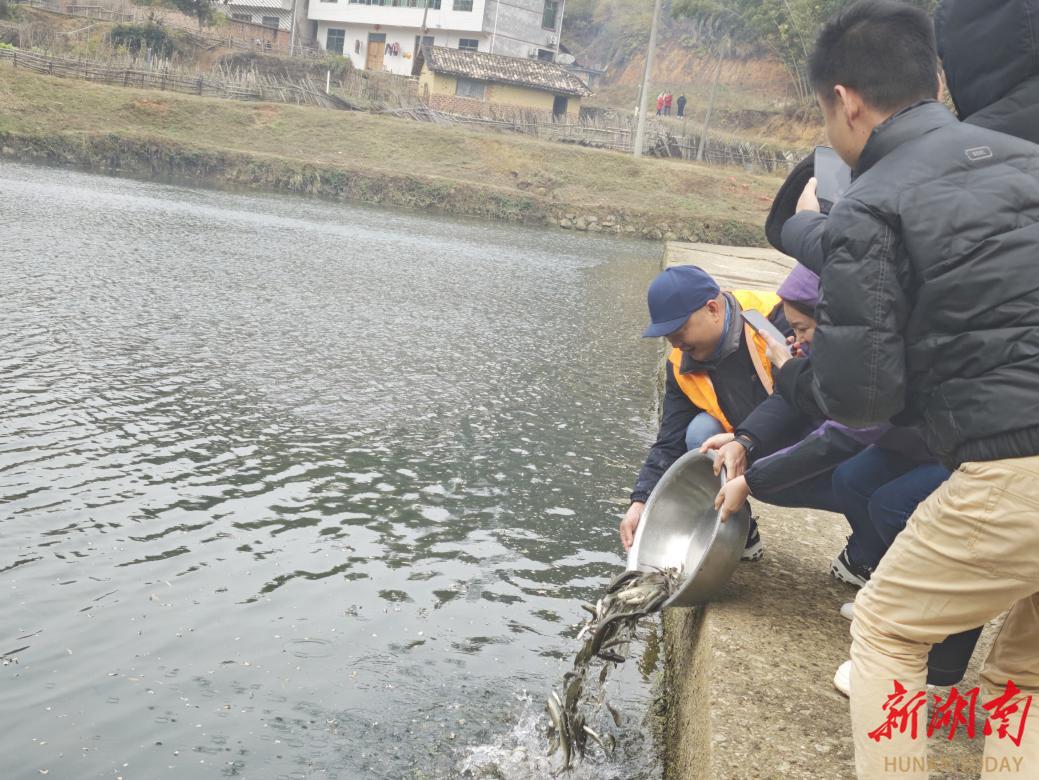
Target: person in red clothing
667 103
660 104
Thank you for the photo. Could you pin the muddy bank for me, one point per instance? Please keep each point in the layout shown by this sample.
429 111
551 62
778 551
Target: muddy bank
167 161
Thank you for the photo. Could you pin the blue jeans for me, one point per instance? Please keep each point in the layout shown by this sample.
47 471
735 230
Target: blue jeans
815 493
877 491
700 430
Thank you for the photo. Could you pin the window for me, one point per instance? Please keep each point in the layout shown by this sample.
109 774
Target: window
469 44
469 88
548 19
422 41
335 40
271 21
397 3
463 5
546 55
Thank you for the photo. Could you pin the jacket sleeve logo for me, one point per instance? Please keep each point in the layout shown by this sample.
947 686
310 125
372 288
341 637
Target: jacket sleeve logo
978 153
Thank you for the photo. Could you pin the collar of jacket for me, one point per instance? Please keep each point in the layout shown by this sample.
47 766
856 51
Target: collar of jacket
909 123
729 344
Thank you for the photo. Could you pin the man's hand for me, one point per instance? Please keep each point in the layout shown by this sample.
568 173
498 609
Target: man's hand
630 523
778 354
716 442
733 456
732 497
809 201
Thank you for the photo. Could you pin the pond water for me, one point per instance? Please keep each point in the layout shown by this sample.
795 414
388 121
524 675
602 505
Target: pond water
292 489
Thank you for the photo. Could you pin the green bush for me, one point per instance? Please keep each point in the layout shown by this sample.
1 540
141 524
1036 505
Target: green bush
340 66
141 37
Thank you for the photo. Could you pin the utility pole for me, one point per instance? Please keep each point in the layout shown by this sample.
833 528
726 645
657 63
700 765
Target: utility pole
292 34
710 106
494 32
640 131
559 28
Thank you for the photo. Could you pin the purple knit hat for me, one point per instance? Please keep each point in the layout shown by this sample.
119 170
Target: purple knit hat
801 286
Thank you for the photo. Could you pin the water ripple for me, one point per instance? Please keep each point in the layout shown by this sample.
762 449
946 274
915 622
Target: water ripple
291 488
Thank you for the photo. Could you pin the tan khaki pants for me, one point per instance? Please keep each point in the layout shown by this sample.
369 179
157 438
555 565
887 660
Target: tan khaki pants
969 553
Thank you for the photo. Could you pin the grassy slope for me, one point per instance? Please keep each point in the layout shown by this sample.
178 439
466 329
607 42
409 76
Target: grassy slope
571 176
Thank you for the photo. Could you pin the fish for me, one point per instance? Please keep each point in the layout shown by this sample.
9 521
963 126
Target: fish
598 740
558 718
621 579
605 636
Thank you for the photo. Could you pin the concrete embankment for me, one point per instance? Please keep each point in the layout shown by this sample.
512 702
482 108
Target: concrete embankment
748 687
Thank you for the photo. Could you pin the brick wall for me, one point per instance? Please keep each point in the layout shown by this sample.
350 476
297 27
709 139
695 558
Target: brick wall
278 39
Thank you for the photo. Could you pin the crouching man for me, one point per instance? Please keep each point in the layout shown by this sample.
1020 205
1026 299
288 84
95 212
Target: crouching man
717 373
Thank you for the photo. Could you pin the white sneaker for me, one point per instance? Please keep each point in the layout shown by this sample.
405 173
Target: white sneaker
848 610
842 679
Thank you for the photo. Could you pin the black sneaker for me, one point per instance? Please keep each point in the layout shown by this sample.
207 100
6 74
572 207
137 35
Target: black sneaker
844 569
754 550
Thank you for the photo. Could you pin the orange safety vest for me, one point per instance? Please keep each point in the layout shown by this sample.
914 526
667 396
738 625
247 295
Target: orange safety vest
697 385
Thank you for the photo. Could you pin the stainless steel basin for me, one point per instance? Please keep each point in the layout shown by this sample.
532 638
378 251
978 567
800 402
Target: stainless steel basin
680 528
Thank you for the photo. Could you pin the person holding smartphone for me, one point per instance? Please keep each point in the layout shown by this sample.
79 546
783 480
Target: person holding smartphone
798 474
929 314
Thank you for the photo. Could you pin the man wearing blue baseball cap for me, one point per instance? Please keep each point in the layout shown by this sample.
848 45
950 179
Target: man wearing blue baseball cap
717 373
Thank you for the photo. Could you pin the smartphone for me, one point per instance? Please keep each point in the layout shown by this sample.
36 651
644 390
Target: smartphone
760 323
833 177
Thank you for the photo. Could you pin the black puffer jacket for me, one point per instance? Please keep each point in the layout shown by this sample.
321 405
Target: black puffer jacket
990 53
930 290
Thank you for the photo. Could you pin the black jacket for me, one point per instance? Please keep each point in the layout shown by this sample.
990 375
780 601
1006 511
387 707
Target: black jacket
993 86
739 392
930 290
990 54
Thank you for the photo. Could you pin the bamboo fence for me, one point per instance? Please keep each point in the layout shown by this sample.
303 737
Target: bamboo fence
398 96
256 88
597 133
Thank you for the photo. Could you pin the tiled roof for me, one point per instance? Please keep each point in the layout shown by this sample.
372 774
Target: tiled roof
481 66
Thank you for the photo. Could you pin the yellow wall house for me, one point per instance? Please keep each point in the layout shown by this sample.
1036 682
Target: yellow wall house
460 81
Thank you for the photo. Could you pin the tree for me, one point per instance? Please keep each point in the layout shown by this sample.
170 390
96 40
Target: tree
786 27
201 10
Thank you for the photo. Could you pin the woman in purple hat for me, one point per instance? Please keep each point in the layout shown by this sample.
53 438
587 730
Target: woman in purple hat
781 473
876 477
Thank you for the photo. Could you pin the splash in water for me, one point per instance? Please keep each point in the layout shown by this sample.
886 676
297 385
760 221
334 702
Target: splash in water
614 619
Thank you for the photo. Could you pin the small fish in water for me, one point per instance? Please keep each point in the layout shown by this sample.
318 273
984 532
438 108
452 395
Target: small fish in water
630 596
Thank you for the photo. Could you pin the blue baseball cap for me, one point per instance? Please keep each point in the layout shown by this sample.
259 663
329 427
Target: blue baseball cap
674 295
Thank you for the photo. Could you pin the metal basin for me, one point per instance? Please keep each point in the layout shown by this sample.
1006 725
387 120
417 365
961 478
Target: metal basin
680 528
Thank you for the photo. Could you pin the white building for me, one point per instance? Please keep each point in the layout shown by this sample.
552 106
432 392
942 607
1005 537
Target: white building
386 34
270 13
